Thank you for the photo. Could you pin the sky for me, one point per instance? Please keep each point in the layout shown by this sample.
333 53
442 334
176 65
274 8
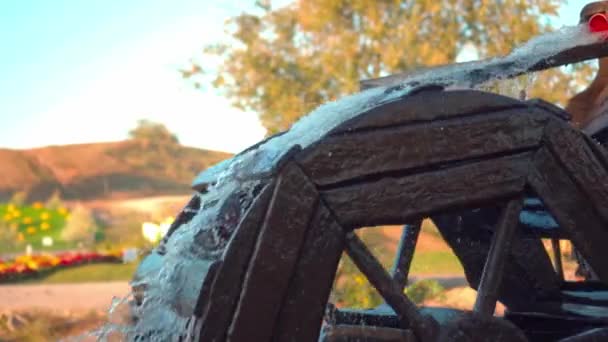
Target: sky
76 71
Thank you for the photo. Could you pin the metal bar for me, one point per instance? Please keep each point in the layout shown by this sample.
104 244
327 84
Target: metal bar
405 253
557 258
487 292
425 327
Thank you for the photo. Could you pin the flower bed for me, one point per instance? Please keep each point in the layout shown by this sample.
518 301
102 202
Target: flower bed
32 266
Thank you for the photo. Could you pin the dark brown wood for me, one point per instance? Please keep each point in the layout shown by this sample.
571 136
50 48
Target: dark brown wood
529 276
572 210
429 106
557 258
505 67
224 292
359 333
487 292
425 327
580 161
304 305
345 157
405 253
394 200
275 257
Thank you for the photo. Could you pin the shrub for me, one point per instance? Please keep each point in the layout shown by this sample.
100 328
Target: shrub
423 290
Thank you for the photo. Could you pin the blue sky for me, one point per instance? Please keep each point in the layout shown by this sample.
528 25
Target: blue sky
76 71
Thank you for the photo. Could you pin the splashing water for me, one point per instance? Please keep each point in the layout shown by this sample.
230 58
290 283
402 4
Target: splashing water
167 282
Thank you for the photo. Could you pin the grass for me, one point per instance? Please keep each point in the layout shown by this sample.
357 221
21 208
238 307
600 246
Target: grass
87 273
436 262
30 223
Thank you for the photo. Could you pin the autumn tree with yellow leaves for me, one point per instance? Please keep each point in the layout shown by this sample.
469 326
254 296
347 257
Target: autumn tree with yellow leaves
283 62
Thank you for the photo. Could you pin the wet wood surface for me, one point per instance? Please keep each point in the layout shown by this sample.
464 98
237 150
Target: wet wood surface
393 200
421 146
305 303
226 287
572 210
275 256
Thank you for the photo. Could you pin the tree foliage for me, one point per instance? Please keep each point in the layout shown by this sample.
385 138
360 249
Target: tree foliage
153 133
283 62
81 226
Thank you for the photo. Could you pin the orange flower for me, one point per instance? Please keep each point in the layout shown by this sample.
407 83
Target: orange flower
20 237
27 220
37 205
45 226
31 230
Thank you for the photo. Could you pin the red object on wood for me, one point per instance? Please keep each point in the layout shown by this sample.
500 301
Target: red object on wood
598 23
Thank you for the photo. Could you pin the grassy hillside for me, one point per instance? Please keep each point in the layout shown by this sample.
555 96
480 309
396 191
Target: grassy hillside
102 170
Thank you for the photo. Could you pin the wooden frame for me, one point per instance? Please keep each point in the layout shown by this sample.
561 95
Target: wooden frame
415 157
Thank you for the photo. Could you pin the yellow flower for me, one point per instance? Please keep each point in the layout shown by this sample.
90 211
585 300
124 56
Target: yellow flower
27 220
11 207
20 237
44 216
37 205
31 230
45 226
7 217
62 211
16 213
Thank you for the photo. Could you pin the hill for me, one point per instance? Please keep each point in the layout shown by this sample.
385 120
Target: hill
122 169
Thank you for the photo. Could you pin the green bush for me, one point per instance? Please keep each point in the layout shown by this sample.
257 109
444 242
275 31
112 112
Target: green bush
30 223
423 290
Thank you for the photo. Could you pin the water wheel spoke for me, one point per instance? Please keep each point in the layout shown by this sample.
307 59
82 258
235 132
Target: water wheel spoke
391 291
405 253
487 292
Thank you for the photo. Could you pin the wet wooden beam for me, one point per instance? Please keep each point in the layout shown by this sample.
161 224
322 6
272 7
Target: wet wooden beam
275 256
487 292
488 69
572 209
349 333
429 106
398 199
405 253
581 162
345 157
425 327
304 306
225 289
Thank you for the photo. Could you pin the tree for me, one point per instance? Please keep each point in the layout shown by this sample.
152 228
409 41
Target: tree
283 62
80 226
54 202
153 133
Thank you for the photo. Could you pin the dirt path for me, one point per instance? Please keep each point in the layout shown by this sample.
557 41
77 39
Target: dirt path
61 297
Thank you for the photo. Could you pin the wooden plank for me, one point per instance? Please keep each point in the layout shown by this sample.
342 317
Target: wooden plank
226 287
489 69
405 253
572 210
579 160
344 157
500 250
600 151
425 327
275 257
304 305
350 333
394 200
428 106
